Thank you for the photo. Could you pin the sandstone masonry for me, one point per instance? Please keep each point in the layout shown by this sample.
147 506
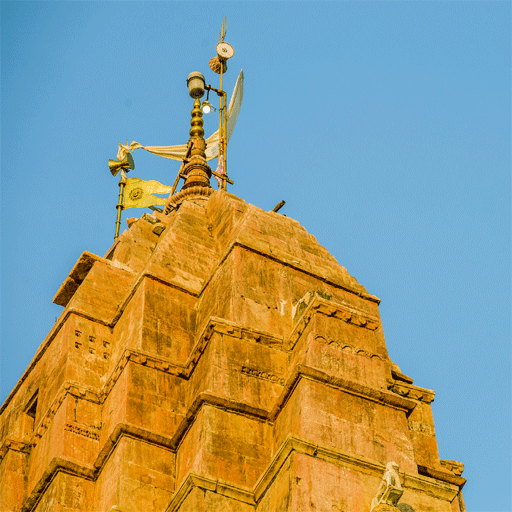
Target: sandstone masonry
217 359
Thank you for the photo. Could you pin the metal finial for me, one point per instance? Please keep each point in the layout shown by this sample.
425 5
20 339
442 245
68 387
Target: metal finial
197 122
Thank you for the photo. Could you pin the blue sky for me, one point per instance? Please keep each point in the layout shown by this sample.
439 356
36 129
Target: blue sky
386 127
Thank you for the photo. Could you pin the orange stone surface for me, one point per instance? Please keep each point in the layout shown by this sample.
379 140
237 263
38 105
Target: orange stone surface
217 359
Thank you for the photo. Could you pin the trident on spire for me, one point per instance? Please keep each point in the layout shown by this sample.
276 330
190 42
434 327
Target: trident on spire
223 30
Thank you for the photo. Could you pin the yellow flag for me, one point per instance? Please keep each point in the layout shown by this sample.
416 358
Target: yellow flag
139 193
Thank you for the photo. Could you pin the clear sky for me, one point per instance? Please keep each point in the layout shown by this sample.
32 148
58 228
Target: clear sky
385 126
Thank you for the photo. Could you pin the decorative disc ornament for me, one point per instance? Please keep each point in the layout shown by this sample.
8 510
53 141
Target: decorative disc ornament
225 51
217 64
136 194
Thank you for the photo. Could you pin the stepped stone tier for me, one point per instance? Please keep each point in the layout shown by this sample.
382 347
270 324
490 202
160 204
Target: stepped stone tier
219 359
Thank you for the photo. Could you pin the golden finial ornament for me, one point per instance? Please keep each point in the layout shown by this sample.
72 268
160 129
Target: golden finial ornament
196 124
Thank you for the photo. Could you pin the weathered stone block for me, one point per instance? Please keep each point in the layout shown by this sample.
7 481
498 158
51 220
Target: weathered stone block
138 475
352 423
226 445
67 493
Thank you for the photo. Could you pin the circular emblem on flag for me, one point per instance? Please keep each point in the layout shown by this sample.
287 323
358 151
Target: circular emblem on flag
136 194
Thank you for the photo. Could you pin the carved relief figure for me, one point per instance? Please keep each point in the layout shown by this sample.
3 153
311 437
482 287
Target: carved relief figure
390 488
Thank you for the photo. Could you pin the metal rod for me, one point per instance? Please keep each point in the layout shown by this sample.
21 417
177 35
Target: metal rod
119 206
222 177
225 138
278 206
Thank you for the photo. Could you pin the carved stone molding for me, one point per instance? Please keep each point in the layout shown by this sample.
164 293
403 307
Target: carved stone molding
318 304
424 428
443 475
262 375
15 445
415 392
188 193
452 465
83 430
346 347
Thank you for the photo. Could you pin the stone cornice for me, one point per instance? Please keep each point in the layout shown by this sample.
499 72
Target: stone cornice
445 476
413 392
348 386
134 432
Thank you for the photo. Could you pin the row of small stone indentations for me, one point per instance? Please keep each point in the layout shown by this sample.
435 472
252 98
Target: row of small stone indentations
348 348
415 394
92 344
296 334
263 375
114 376
82 431
199 349
249 334
45 421
347 316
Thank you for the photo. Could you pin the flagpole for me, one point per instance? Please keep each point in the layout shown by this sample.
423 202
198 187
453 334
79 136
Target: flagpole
222 150
119 206
225 138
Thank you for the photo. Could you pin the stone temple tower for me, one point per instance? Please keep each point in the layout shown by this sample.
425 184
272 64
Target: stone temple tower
218 359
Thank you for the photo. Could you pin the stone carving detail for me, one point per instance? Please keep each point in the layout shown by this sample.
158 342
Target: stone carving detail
424 428
263 375
15 445
452 465
82 431
344 313
390 488
414 392
317 304
346 347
